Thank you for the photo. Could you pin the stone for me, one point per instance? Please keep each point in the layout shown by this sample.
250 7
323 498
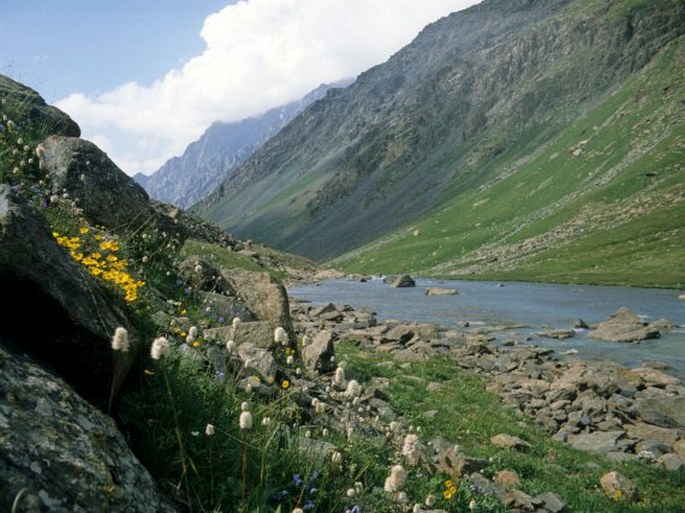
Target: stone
518 499
439 291
599 441
318 355
262 295
401 281
69 456
257 358
623 326
557 334
107 195
617 486
507 441
644 431
30 106
73 316
507 478
553 503
671 461
679 447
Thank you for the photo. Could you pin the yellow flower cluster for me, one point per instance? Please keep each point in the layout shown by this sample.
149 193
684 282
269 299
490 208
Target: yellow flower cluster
450 489
103 262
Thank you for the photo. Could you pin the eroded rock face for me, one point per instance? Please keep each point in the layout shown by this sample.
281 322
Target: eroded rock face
32 107
68 456
72 316
106 194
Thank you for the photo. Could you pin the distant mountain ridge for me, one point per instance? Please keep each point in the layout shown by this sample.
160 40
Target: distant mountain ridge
207 162
470 102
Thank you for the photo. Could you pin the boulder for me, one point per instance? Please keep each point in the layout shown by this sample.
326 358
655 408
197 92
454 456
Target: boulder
400 281
439 291
617 486
23 103
318 355
623 326
66 455
262 295
106 194
73 316
599 441
258 359
507 441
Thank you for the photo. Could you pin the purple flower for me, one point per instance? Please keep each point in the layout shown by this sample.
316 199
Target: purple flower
354 509
297 479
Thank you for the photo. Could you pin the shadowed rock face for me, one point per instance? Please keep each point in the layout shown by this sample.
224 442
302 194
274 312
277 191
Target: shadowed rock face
65 454
72 316
31 109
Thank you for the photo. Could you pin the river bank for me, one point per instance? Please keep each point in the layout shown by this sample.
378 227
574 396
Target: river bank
623 413
526 309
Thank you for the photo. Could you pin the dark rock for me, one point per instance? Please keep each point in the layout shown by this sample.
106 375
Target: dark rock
28 105
68 456
106 194
318 354
73 317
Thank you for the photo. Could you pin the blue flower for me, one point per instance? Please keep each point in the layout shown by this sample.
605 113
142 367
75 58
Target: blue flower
297 479
308 504
354 509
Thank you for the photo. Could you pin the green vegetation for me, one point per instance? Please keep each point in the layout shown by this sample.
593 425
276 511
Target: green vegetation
464 412
601 203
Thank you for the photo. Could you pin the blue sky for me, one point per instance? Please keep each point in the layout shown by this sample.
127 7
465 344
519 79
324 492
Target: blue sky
144 78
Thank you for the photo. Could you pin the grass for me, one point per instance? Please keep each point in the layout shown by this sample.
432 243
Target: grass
462 411
600 202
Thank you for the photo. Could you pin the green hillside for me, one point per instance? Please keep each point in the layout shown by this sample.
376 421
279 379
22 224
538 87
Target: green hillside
601 203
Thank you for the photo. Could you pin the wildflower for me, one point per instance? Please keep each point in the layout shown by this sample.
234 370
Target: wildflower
280 336
236 322
245 420
473 505
289 360
353 389
198 269
230 346
248 388
266 421
298 510
324 433
401 497
450 489
336 458
395 481
285 384
305 340
244 406
192 332
430 500
160 348
416 508
197 344
351 492
149 372
209 430
411 449
339 375
354 509
120 340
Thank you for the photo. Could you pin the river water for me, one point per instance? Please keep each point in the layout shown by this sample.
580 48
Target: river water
531 307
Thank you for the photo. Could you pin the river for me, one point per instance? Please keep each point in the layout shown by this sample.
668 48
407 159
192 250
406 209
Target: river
530 306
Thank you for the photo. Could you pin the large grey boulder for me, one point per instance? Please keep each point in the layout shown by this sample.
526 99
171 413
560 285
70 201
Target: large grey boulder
29 107
65 455
72 316
262 295
624 326
318 355
106 194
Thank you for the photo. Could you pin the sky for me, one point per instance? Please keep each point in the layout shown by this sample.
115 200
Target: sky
144 78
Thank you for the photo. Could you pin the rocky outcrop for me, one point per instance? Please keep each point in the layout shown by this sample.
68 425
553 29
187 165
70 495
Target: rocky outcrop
624 326
58 453
400 281
27 105
72 316
85 173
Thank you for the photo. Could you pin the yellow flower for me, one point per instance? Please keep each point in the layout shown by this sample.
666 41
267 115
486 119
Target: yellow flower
197 343
285 384
450 489
84 230
149 372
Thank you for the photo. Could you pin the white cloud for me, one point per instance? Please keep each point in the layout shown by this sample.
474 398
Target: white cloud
259 54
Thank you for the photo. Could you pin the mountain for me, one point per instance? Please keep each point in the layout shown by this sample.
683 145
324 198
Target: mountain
458 120
211 159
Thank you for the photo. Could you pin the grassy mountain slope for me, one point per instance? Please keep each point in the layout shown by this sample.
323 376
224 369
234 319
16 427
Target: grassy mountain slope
602 202
501 134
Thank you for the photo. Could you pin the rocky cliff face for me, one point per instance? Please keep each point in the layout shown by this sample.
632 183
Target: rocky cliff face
185 180
430 123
